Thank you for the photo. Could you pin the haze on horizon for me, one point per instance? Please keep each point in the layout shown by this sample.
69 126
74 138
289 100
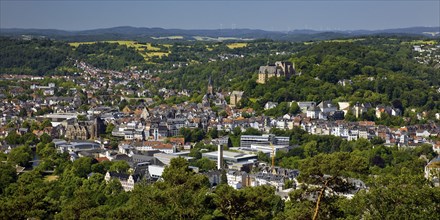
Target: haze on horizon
267 15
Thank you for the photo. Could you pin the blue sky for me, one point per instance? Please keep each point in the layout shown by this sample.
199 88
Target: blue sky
264 14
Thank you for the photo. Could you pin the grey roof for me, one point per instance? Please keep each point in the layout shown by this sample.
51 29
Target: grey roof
238 93
268 69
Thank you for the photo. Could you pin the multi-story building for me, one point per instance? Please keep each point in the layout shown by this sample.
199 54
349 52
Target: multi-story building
83 130
236 96
266 139
127 180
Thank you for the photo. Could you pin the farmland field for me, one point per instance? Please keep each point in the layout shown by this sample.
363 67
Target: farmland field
236 45
147 50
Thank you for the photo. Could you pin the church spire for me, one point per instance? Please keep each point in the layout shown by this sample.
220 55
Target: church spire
210 86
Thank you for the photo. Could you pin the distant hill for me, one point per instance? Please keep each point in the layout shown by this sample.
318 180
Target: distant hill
127 32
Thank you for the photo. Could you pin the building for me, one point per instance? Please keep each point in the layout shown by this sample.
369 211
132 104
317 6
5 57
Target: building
266 139
77 146
266 149
83 130
165 159
127 180
432 171
305 105
156 171
58 118
154 145
280 69
210 87
229 156
235 98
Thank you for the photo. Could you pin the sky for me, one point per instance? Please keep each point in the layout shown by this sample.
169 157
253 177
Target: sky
217 14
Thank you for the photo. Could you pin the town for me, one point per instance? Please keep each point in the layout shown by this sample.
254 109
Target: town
129 126
219 130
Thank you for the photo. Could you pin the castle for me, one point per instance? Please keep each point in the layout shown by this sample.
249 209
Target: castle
280 69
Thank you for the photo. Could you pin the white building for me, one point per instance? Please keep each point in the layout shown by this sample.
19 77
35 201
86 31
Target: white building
127 180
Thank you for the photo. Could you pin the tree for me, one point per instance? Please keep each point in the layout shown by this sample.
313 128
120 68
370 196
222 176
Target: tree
263 157
109 128
195 152
177 172
328 173
29 139
8 175
213 133
182 195
82 118
46 123
252 202
122 104
119 166
101 167
223 177
377 141
20 156
206 164
223 113
236 131
82 166
294 108
350 116
311 149
23 112
13 138
391 197
45 138
252 131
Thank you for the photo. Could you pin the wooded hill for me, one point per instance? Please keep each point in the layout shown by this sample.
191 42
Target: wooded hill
379 70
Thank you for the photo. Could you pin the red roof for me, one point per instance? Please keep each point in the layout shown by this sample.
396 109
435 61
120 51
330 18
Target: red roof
101 159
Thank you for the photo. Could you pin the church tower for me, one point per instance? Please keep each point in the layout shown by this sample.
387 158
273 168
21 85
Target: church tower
210 86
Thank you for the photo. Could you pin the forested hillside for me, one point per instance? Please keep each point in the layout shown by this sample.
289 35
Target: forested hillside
108 55
35 57
377 70
48 57
374 70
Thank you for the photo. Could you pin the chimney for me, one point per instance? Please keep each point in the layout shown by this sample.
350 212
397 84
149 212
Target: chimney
220 157
156 134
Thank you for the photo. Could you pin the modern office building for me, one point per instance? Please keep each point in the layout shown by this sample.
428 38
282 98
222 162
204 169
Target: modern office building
266 139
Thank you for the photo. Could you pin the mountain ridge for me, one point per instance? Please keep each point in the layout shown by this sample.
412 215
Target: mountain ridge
129 32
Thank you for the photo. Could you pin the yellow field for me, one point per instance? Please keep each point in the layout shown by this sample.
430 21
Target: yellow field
336 41
345 40
420 42
146 50
51 178
236 45
76 44
203 38
151 54
169 37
